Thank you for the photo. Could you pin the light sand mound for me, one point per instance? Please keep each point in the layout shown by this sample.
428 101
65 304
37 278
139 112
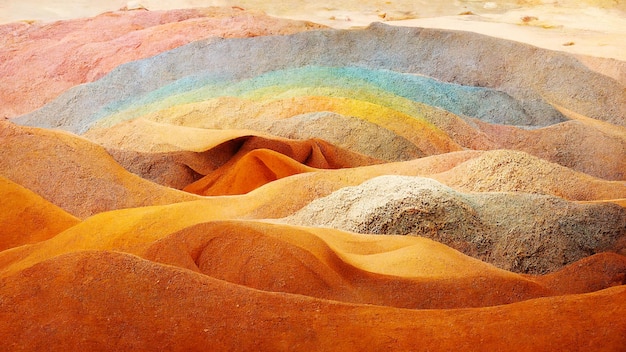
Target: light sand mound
304 188
539 234
74 174
513 171
35 65
518 232
573 144
613 68
344 131
152 306
441 54
280 118
28 218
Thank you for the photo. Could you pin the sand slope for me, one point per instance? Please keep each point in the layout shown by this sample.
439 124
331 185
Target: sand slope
197 312
409 50
76 175
376 188
28 218
192 158
35 67
499 228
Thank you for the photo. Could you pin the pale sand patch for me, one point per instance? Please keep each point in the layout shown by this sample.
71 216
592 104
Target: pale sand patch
592 27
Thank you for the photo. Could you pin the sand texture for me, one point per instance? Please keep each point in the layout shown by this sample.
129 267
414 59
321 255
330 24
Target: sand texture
312 176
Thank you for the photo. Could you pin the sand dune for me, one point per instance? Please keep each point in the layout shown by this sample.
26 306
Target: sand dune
498 228
378 47
196 312
413 124
381 187
451 169
252 170
74 174
510 171
28 218
573 144
194 158
319 263
586 147
384 87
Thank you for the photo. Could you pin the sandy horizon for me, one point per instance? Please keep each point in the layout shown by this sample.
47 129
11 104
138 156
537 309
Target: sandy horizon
593 27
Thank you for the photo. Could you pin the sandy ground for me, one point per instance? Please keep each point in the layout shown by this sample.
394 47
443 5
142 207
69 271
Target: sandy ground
589 27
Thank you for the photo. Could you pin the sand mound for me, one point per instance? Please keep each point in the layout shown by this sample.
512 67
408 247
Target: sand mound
293 260
588 274
383 87
344 131
515 241
305 188
572 144
178 156
397 271
28 218
155 306
33 53
363 269
525 77
411 121
512 171
75 174
499 228
288 119
249 172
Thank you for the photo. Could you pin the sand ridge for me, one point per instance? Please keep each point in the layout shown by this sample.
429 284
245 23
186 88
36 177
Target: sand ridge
271 321
75 174
381 187
528 81
27 217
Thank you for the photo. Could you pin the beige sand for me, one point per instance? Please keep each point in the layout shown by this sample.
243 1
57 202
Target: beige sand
591 27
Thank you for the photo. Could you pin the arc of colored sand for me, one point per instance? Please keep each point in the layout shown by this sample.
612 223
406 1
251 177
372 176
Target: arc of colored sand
425 135
482 103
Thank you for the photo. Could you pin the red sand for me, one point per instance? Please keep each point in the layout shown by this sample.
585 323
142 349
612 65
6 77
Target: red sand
35 66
